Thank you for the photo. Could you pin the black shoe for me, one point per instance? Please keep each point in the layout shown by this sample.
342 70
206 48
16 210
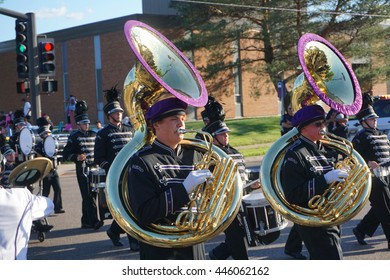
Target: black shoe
43 228
60 211
98 225
212 256
295 255
114 238
134 245
359 236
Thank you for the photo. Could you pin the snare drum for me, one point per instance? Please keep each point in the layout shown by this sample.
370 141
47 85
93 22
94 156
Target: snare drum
50 146
97 176
262 218
26 141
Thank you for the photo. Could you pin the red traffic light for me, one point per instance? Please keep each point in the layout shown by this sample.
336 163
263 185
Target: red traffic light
48 47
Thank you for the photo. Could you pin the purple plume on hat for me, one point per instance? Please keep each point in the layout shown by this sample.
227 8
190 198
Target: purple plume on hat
165 108
307 115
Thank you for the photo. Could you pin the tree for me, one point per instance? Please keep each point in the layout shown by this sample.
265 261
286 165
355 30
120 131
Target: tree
270 29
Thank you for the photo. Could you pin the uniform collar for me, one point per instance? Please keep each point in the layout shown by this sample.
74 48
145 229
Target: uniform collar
167 149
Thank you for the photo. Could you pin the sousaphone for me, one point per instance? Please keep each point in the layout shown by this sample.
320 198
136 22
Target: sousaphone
162 71
327 78
30 172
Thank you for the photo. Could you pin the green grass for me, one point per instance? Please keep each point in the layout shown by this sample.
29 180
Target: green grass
251 136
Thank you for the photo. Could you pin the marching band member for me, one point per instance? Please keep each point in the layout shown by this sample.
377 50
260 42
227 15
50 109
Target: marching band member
18 209
108 143
52 179
307 172
374 147
234 244
79 149
14 141
162 174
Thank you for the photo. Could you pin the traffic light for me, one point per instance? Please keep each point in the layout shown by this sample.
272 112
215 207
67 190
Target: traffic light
46 57
21 28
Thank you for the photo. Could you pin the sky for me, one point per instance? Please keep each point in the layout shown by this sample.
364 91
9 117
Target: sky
55 15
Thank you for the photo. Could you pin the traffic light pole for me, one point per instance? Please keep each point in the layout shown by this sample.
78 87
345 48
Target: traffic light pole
32 62
33 68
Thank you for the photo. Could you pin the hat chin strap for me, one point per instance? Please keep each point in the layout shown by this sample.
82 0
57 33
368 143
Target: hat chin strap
369 126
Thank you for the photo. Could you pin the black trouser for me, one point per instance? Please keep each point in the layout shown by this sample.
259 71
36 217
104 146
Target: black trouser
149 252
115 228
52 180
323 243
379 212
89 215
294 241
234 244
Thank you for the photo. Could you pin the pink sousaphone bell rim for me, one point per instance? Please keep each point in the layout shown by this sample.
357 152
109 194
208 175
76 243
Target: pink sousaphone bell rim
346 109
196 102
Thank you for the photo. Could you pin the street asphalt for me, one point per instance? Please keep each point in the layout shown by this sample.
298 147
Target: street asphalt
68 241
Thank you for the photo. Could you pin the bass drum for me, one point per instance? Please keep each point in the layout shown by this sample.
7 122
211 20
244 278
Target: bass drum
50 146
261 220
27 141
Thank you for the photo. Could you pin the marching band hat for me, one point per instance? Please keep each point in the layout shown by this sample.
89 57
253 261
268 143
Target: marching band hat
307 115
366 113
216 128
6 150
81 112
112 107
43 129
341 117
112 96
82 119
19 117
166 108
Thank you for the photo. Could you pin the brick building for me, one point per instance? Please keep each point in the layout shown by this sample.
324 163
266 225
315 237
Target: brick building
94 57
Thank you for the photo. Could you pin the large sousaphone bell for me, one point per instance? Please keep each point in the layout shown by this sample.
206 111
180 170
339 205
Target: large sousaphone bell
326 78
30 172
162 71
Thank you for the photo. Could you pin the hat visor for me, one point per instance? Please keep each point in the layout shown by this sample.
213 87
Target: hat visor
222 130
84 122
115 110
371 116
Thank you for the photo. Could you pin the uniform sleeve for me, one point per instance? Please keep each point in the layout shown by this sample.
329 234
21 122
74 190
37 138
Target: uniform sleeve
41 207
359 146
300 185
100 149
69 152
150 199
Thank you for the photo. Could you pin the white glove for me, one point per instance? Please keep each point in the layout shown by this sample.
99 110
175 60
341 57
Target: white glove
336 175
195 178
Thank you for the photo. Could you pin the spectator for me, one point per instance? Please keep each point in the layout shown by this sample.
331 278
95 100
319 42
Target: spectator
26 109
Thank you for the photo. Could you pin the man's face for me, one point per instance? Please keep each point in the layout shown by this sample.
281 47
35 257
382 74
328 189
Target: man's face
84 126
371 122
10 157
222 139
166 130
313 131
115 118
20 126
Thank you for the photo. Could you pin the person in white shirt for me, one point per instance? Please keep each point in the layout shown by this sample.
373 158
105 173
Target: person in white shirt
18 210
26 109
